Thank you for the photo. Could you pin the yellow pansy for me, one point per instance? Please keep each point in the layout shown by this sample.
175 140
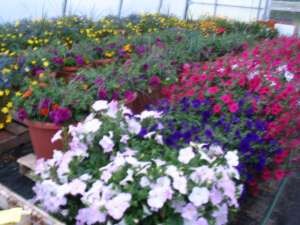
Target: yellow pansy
8 119
33 62
18 93
1 93
46 64
30 41
7 92
33 83
9 105
5 110
109 54
1 126
6 71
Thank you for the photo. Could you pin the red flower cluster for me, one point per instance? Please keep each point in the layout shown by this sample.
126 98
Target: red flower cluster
268 76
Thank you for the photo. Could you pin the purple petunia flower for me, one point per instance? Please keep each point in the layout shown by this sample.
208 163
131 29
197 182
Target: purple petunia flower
130 96
79 60
45 103
99 81
22 114
154 81
58 60
60 115
102 94
140 49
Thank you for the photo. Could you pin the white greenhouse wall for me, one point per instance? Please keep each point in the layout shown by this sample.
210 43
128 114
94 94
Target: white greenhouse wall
11 10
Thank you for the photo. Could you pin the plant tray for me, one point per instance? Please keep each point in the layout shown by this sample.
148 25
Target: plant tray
14 135
9 199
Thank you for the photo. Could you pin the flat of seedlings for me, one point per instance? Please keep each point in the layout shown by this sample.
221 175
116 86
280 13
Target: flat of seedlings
12 136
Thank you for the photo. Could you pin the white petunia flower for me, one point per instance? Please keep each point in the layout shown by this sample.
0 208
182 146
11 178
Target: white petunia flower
57 136
199 196
91 126
107 143
186 155
150 114
117 206
232 158
100 105
134 127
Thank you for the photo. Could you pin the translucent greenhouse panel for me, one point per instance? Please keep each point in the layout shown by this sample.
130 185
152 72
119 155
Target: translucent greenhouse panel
197 11
241 14
138 6
168 7
245 10
93 8
13 10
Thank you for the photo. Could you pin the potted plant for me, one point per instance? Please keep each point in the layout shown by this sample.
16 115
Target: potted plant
46 106
121 176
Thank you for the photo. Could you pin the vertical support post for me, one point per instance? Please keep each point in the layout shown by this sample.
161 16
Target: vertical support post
159 6
120 8
267 10
215 7
64 7
259 10
186 9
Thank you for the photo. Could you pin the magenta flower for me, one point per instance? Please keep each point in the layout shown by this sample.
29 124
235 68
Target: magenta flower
58 60
45 103
22 114
60 115
154 81
102 94
79 60
130 96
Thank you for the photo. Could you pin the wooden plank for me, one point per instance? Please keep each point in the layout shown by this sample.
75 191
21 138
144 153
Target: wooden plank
13 136
285 6
16 128
9 199
27 166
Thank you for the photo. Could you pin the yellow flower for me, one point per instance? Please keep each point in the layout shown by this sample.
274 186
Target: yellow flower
109 54
46 64
30 42
33 62
7 92
127 48
18 93
1 93
1 126
5 110
33 83
8 119
41 75
6 71
9 105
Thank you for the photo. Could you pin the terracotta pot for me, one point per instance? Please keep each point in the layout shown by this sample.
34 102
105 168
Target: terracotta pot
41 134
67 73
144 99
102 62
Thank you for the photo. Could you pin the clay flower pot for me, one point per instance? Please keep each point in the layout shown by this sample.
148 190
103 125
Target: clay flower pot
142 100
67 72
41 134
102 62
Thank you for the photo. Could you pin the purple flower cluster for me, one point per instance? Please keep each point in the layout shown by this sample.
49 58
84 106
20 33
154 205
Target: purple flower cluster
198 123
60 115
